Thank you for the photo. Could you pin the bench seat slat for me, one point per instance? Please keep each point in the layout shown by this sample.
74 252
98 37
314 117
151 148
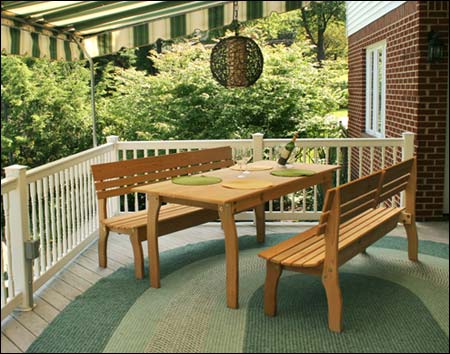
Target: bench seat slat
308 249
350 238
345 232
139 219
290 244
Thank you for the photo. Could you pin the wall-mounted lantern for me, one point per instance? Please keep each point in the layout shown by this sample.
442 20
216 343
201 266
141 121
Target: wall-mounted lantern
435 47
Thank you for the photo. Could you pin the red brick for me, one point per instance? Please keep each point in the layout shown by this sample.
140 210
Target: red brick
416 92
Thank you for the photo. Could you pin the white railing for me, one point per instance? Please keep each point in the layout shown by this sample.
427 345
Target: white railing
58 208
55 204
303 205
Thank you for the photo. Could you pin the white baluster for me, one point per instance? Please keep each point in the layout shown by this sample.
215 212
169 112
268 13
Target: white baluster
338 162
47 225
372 158
349 165
63 187
360 161
58 214
315 186
34 225
73 225
77 203
53 237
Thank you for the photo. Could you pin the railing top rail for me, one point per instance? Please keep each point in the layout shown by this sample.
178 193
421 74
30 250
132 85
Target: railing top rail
334 142
64 163
9 184
181 144
59 165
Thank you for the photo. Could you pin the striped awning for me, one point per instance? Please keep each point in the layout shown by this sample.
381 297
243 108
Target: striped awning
47 28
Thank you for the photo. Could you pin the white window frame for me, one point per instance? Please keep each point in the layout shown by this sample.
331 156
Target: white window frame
375 123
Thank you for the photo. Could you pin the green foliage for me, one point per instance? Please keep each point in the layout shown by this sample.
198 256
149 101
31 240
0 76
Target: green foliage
143 95
317 18
184 102
45 110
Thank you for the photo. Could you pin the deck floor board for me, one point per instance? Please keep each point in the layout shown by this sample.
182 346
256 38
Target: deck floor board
21 329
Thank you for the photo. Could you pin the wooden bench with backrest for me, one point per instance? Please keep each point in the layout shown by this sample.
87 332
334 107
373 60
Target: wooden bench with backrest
354 216
118 178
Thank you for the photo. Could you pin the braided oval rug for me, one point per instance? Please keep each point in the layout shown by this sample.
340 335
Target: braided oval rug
390 305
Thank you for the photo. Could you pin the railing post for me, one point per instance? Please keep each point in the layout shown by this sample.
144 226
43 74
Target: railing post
258 146
22 275
115 201
407 153
408 145
113 139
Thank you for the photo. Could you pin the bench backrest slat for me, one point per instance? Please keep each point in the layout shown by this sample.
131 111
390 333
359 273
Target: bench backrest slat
366 193
120 186
395 179
358 196
118 178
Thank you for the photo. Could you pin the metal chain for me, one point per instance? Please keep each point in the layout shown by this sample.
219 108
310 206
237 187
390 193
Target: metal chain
235 10
235 23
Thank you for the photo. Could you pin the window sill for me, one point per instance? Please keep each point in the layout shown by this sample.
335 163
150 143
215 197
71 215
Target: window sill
371 136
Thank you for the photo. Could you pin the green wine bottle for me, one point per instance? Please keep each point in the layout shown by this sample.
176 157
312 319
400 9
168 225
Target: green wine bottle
287 151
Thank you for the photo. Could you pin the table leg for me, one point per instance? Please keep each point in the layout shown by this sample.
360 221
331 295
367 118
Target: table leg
260 217
328 184
154 204
231 254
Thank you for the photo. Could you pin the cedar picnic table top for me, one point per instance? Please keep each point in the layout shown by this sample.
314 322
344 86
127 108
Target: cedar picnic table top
219 195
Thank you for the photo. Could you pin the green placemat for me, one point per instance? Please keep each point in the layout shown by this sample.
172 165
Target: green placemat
292 172
196 180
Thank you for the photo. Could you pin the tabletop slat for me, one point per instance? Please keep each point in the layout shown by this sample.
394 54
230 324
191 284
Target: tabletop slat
216 194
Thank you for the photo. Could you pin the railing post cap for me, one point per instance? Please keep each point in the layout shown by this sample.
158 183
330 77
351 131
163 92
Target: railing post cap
408 134
14 170
112 139
257 135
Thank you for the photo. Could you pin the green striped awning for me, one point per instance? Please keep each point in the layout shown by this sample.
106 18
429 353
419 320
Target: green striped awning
23 39
46 28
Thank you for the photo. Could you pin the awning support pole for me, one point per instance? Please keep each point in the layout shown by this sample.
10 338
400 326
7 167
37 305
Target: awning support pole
91 67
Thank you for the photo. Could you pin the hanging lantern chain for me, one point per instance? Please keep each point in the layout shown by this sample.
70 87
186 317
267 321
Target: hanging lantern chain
235 23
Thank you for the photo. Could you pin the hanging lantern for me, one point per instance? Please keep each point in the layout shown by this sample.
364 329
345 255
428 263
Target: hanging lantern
236 61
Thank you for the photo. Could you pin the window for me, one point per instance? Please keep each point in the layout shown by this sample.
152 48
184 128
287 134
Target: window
376 89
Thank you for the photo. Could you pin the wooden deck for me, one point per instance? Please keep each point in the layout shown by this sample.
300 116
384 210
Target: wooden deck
21 329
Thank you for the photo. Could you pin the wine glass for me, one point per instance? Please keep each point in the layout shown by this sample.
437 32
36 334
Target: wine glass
240 160
248 156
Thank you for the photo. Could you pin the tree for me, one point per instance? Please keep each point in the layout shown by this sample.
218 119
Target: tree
315 20
45 110
184 102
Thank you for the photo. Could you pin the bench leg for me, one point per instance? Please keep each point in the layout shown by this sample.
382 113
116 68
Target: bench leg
138 254
260 216
413 240
103 234
270 288
154 204
330 281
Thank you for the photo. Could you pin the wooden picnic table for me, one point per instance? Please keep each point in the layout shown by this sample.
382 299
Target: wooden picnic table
227 202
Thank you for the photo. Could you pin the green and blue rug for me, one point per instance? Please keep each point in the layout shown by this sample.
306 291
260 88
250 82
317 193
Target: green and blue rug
390 305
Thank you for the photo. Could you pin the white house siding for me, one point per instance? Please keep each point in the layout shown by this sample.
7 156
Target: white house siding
362 13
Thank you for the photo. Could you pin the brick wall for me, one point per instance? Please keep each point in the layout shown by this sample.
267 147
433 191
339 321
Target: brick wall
416 91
